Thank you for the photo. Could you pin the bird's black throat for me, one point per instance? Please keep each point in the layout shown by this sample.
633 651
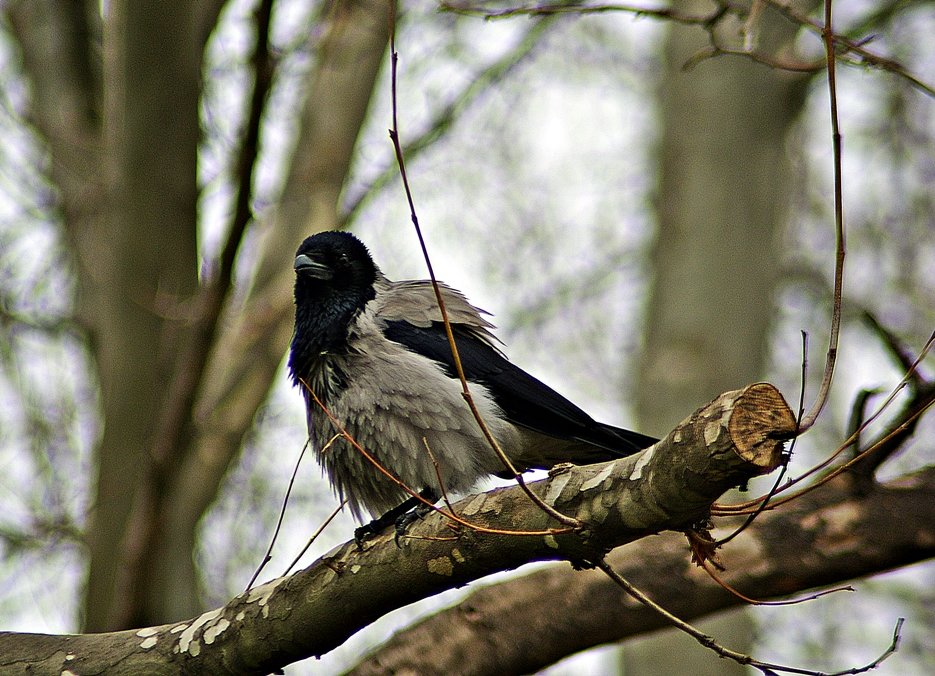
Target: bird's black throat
323 315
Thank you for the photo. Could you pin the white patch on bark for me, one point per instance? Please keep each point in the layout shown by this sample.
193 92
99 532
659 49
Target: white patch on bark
215 630
556 487
474 505
712 431
598 478
641 462
187 642
262 594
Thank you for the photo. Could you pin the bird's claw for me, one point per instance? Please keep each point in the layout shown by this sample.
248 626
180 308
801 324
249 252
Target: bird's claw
405 520
364 533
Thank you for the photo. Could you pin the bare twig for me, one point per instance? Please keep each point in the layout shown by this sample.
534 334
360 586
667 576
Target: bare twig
716 49
754 602
762 504
442 489
741 658
667 13
844 46
282 514
840 247
459 368
446 117
321 529
847 45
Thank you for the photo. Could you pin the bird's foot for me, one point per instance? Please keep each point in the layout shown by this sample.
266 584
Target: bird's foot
402 524
401 516
365 532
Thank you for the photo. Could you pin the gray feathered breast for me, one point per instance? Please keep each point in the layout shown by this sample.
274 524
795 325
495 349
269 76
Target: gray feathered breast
401 407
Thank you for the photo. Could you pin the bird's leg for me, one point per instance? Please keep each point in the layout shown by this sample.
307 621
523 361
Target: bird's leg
395 516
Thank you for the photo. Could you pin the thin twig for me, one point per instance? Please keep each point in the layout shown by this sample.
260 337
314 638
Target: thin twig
854 46
844 45
263 66
667 13
741 658
282 514
831 356
754 602
321 528
763 503
459 369
450 113
438 475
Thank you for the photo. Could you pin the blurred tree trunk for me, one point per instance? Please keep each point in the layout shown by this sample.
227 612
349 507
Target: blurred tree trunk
150 271
123 149
117 100
721 203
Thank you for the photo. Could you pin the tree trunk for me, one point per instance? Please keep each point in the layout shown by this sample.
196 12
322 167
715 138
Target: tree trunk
148 267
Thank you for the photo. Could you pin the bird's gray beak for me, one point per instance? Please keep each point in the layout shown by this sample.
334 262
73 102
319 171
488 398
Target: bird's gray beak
305 265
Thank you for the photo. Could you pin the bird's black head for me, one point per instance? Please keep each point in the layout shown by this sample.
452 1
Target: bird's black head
334 278
333 264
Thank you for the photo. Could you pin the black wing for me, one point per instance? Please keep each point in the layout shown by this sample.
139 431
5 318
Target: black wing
524 400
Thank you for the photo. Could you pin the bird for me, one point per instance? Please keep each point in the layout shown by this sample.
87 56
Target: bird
376 356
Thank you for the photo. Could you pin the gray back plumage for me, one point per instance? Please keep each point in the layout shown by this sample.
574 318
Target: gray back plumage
414 301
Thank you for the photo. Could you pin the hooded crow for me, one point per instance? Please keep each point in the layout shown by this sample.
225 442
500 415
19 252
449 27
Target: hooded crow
376 355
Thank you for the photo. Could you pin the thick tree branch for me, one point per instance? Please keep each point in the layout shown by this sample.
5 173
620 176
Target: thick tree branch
118 107
845 537
669 486
147 258
147 541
